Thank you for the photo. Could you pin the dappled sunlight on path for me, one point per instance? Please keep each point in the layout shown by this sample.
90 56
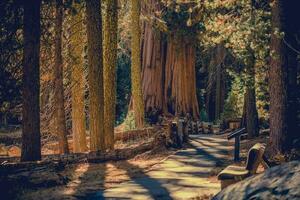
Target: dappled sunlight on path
189 173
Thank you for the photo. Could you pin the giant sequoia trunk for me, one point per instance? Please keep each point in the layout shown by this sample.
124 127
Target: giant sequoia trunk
78 85
153 62
168 70
180 79
95 75
31 136
110 62
283 128
61 130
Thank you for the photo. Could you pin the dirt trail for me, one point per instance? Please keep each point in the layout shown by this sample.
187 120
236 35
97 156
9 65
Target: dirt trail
190 173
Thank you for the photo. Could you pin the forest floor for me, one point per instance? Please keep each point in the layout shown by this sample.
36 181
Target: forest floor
190 173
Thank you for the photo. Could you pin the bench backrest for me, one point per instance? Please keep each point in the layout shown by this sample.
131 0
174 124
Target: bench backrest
254 158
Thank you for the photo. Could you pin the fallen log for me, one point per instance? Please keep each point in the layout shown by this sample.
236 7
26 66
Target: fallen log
117 154
17 176
135 134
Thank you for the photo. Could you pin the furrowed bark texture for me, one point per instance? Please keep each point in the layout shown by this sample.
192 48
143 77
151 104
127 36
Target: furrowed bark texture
137 94
31 136
78 85
180 80
153 61
252 124
168 70
95 75
251 113
61 130
283 128
110 62
216 84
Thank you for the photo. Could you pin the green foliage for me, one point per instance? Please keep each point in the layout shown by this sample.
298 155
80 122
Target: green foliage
123 86
10 56
179 18
244 27
234 103
262 92
129 122
241 26
10 95
231 108
203 115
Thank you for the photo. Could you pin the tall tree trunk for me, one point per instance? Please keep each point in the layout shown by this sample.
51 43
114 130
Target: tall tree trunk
110 62
95 75
251 114
31 136
252 124
283 128
220 80
292 45
293 92
78 85
137 94
59 87
218 92
244 115
180 80
168 70
153 61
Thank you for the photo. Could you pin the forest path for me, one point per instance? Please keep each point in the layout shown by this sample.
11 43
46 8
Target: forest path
190 173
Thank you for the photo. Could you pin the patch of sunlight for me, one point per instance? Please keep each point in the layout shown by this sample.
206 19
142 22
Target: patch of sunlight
115 175
72 186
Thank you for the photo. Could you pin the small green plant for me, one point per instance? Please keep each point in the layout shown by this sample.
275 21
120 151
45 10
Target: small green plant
203 115
231 108
130 121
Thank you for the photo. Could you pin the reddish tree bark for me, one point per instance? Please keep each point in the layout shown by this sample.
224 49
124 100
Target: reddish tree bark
95 75
168 70
283 127
216 84
31 136
153 61
61 129
180 79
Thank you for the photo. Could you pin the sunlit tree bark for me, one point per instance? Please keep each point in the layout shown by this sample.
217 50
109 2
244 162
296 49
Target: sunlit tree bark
61 130
153 61
137 95
168 70
110 62
95 75
78 84
180 79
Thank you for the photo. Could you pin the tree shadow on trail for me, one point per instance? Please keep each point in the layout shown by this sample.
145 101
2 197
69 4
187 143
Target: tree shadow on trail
154 188
91 181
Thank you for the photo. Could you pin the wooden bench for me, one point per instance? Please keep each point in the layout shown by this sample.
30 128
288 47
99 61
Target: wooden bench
233 174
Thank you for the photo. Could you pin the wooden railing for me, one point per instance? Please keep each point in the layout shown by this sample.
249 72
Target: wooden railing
237 138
